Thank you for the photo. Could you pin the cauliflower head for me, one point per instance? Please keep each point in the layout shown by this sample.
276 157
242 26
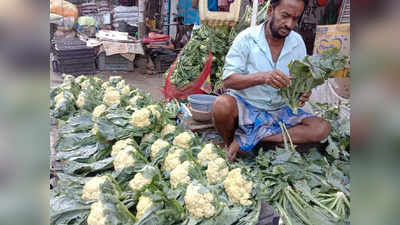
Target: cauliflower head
180 175
142 206
154 110
173 159
81 100
121 145
121 84
91 190
100 109
183 140
80 79
133 100
112 97
168 129
66 86
217 170
141 118
98 80
238 188
156 148
125 90
147 137
63 97
105 85
95 129
139 181
96 216
68 78
199 205
207 154
124 159
85 84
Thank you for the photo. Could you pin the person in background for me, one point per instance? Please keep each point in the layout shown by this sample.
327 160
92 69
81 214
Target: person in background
256 67
212 6
317 12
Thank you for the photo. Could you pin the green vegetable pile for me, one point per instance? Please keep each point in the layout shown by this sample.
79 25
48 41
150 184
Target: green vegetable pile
309 73
194 55
216 40
125 161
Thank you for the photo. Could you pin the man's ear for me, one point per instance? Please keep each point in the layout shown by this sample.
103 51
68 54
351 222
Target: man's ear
269 12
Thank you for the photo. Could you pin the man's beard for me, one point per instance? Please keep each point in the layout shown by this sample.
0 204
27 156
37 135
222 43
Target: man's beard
275 32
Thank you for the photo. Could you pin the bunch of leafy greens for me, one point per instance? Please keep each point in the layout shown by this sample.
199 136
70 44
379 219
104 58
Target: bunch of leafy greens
309 73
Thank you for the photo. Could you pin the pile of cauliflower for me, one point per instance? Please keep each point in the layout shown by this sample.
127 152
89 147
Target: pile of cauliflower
176 166
238 188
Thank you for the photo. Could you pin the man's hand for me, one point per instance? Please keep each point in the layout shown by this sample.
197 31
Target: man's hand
232 150
276 79
304 98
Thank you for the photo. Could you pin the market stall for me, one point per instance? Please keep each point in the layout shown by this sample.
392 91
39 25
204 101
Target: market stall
89 21
127 159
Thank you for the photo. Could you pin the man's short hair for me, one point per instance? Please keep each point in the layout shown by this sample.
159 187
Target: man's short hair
275 3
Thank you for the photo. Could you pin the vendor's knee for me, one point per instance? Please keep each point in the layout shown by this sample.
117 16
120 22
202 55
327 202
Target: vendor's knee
223 107
322 129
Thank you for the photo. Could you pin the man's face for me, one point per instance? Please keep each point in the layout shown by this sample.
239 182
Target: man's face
284 17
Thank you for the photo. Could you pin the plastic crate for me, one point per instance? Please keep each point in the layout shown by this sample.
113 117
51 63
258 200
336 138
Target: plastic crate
114 62
163 62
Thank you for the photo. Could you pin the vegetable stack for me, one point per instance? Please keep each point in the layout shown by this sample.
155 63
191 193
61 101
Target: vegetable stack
126 162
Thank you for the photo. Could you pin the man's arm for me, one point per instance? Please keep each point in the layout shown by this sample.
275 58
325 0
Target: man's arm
274 78
195 4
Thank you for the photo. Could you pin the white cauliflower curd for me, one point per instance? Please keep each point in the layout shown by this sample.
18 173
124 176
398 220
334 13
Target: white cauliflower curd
121 145
98 111
142 206
156 148
124 159
96 216
141 118
199 205
168 129
207 154
112 97
180 175
238 188
173 159
183 140
217 170
91 190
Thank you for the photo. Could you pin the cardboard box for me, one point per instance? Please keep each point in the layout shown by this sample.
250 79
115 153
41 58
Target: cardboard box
336 36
